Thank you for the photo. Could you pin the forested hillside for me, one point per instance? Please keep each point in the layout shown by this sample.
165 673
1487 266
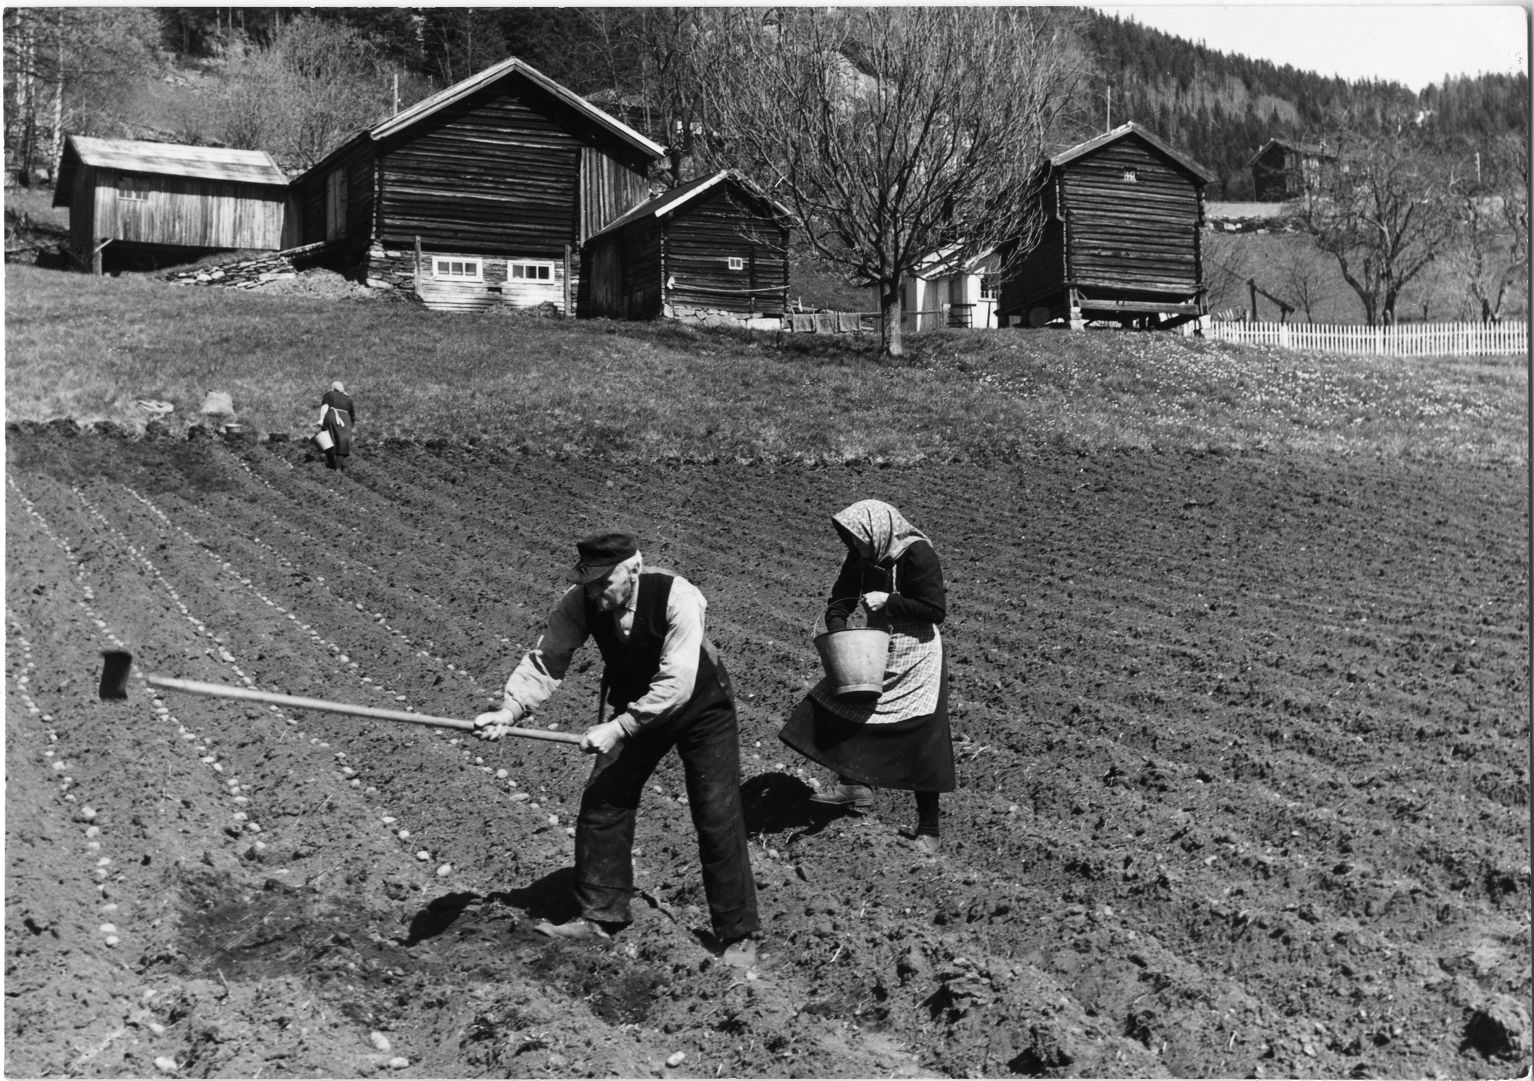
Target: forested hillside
236 76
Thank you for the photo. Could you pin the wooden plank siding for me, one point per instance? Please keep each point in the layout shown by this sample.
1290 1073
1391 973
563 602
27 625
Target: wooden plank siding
610 186
1122 236
1038 277
508 171
174 212
700 240
504 171
1138 236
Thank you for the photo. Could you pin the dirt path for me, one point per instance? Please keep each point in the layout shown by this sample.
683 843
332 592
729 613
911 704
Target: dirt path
1243 746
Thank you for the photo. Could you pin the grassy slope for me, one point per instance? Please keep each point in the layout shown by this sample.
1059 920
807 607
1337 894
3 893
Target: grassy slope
88 348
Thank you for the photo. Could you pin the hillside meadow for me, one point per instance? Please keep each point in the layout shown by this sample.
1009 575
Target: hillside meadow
91 348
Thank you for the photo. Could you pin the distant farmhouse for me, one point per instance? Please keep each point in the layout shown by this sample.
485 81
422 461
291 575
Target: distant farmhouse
479 195
1121 240
132 200
1287 170
715 248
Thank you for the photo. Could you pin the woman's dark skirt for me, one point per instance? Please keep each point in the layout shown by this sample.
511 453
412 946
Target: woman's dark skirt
914 754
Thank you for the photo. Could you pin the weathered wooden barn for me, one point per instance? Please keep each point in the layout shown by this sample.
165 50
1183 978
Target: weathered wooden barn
1121 238
133 200
1286 170
481 194
713 249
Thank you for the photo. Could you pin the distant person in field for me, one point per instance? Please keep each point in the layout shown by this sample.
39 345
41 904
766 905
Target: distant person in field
668 689
338 416
900 739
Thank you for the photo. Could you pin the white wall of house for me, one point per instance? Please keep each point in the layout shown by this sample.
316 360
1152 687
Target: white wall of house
927 302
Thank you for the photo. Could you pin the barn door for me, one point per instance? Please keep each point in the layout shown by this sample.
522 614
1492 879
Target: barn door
335 204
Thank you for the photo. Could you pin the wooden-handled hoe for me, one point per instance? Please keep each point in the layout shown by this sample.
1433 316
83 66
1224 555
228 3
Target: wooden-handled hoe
117 663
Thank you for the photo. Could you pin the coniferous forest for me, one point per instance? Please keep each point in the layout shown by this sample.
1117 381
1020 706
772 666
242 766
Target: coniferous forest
220 76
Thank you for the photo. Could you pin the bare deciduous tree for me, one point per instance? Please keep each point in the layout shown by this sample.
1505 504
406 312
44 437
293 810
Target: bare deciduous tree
1493 254
1383 214
653 54
891 132
300 97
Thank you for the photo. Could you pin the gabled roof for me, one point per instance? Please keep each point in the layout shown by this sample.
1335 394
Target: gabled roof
1123 131
495 72
163 159
944 261
673 198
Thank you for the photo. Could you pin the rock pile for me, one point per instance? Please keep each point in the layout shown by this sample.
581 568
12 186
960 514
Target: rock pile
250 273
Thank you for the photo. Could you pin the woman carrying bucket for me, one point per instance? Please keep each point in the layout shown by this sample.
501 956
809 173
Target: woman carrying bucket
885 726
337 417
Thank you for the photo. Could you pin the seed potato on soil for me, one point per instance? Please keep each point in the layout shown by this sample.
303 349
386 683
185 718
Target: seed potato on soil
1242 738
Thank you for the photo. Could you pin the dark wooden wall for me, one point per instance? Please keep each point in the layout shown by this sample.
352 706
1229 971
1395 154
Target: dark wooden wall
700 238
1271 175
501 172
1140 236
1037 277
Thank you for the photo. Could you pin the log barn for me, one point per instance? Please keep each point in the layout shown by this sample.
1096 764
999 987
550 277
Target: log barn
1120 241
130 201
714 249
479 195
1286 170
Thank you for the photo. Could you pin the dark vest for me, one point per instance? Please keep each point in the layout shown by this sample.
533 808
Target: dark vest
630 667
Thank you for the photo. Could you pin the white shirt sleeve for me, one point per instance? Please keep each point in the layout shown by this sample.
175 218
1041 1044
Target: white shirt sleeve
543 668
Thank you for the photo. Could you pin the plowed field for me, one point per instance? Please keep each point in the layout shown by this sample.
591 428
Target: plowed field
1243 746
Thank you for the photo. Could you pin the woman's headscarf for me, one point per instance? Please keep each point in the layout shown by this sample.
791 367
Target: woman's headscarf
880 526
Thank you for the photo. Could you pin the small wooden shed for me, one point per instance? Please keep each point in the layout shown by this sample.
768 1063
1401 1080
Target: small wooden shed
143 198
714 249
479 195
1286 170
1121 240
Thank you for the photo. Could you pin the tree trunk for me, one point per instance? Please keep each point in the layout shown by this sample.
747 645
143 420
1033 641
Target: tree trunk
890 337
26 99
56 142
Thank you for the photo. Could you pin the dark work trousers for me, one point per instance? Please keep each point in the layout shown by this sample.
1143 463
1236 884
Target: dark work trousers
707 740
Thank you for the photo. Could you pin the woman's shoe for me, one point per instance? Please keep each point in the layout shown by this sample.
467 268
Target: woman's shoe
927 843
856 798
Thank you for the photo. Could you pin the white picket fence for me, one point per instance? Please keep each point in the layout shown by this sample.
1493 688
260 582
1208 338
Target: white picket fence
1399 340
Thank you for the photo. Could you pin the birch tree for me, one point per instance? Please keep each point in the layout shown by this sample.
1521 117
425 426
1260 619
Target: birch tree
67 69
891 132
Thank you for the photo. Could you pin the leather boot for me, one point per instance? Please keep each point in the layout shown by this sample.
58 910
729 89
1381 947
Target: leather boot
856 798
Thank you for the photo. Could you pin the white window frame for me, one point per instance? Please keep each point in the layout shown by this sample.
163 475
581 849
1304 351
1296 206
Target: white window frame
1131 174
517 271
736 262
133 189
473 268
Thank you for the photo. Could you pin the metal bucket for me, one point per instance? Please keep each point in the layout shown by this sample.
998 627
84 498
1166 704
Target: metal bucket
854 661
322 440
